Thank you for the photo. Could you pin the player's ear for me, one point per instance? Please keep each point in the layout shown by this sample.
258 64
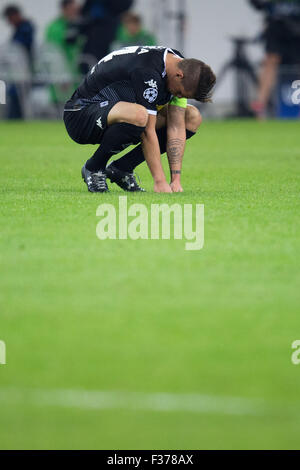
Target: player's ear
179 72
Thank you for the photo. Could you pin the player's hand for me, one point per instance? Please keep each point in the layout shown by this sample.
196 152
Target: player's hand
162 187
176 187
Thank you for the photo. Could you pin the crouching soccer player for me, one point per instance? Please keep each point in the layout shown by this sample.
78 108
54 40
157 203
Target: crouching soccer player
137 95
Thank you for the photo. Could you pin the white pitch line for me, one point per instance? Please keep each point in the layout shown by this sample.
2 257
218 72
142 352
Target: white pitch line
160 402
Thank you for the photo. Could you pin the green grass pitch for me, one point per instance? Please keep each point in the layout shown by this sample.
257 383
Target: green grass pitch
146 316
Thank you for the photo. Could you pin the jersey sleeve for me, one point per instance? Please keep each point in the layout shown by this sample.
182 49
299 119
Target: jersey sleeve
148 85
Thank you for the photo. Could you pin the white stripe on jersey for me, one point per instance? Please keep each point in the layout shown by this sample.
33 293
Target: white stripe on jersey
165 58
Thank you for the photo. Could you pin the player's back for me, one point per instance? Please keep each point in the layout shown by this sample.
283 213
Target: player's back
120 66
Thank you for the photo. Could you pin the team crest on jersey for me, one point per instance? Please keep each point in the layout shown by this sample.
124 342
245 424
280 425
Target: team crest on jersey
150 94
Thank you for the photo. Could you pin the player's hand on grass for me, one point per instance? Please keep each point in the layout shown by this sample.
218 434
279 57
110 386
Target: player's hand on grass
176 187
162 187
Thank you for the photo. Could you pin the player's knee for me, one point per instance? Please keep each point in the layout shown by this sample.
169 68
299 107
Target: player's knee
130 113
141 116
193 118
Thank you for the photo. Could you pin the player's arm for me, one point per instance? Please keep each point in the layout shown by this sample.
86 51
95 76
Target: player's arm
147 84
176 138
152 156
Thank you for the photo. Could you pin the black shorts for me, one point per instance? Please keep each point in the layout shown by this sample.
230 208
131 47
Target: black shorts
86 120
282 39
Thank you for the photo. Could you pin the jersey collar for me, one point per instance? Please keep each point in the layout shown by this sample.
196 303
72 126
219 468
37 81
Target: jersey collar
165 59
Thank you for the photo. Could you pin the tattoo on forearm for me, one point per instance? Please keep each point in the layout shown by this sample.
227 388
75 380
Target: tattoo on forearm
175 150
175 172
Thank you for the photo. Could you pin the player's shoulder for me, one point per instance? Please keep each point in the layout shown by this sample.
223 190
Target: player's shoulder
175 52
150 56
148 76
154 57
157 51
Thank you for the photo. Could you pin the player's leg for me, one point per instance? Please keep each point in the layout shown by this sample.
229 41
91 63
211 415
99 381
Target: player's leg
275 46
125 124
135 157
267 80
120 127
193 120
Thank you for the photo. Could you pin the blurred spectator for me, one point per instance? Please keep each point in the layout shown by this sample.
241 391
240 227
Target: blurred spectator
131 33
63 32
23 35
282 39
102 20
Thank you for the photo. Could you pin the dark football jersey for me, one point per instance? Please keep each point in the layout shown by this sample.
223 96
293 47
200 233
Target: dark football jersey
135 74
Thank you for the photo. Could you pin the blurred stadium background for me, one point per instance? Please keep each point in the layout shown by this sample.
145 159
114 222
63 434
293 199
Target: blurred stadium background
205 30
139 344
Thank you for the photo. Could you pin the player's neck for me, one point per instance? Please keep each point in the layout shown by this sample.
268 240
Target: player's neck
171 63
